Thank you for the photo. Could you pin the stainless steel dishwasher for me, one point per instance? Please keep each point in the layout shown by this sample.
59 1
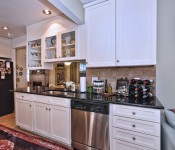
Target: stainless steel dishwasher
90 125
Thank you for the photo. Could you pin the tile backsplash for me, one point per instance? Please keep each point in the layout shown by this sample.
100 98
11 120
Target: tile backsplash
114 73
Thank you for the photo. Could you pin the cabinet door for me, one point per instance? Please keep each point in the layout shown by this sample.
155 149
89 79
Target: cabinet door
136 32
60 124
24 114
41 118
50 48
68 48
100 34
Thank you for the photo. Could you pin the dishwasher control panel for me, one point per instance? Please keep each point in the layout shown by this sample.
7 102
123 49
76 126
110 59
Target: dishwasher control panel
90 106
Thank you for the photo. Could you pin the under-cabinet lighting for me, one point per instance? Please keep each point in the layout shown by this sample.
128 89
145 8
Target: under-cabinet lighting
67 63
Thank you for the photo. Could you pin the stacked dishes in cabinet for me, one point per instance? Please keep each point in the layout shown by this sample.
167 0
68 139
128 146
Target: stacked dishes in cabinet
68 44
34 53
135 128
50 47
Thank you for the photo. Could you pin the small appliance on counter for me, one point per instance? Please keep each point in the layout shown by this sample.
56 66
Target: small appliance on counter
98 86
122 87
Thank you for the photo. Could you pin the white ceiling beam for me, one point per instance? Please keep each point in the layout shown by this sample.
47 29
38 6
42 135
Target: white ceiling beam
71 8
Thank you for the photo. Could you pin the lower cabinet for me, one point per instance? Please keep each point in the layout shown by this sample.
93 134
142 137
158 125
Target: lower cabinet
45 115
41 119
134 128
60 117
24 114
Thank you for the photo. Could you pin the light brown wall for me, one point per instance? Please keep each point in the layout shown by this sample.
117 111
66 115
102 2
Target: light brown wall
114 73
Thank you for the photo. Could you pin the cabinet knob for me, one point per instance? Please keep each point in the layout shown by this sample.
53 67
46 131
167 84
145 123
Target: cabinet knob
46 108
133 113
118 61
49 109
22 96
30 105
134 138
133 125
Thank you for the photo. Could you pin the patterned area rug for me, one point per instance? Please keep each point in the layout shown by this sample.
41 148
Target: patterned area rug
11 139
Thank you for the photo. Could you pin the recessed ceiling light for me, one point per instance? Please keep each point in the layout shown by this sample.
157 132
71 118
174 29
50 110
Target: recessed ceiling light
5 28
47 12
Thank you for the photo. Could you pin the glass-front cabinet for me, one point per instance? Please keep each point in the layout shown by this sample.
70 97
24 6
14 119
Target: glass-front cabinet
50 48
34 54
68 44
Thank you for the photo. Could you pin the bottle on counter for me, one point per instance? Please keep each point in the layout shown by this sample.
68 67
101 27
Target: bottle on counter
106 86
147 95
140 88
109 88
148 82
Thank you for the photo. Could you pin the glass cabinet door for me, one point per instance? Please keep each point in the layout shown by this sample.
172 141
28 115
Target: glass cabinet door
68 44
51 47
34 53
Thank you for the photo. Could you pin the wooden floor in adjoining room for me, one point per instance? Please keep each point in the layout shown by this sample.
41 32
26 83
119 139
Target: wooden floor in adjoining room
9 121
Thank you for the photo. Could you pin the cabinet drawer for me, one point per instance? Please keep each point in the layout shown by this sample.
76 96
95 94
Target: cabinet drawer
146 127
121 145
65 102
24 96
42 99
136 138
137 113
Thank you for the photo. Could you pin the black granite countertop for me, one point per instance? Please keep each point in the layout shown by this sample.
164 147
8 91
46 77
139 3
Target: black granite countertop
152 102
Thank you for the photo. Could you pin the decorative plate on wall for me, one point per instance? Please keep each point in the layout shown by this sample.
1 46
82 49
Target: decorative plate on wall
20 73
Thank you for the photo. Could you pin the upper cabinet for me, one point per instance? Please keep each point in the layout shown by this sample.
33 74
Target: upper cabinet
52 40
100 34
50 48
136 32
121 32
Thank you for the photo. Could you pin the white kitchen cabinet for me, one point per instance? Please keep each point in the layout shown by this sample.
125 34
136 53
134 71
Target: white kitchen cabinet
24 110
41 119
35 55
24 114
52 117
60 124
136 32
121 33
50 50
100 34
134 128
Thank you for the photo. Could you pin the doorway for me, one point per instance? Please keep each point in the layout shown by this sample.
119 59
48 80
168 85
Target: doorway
21 71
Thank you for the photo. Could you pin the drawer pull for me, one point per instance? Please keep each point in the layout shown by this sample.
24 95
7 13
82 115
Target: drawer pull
134 138
133 113
133 125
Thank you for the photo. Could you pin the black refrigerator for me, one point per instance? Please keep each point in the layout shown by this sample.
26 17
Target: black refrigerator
6 84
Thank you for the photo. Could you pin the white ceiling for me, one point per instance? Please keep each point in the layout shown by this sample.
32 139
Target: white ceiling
17 14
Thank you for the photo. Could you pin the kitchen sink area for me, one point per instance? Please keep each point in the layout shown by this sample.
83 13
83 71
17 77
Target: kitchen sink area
57 93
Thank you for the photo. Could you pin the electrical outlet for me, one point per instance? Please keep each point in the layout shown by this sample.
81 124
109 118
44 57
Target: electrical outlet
94 78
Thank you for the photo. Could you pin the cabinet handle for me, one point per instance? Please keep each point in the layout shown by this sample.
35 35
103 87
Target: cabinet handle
49 109
46 108
134 138
22 96
133 113
133 125
30 105
118 61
